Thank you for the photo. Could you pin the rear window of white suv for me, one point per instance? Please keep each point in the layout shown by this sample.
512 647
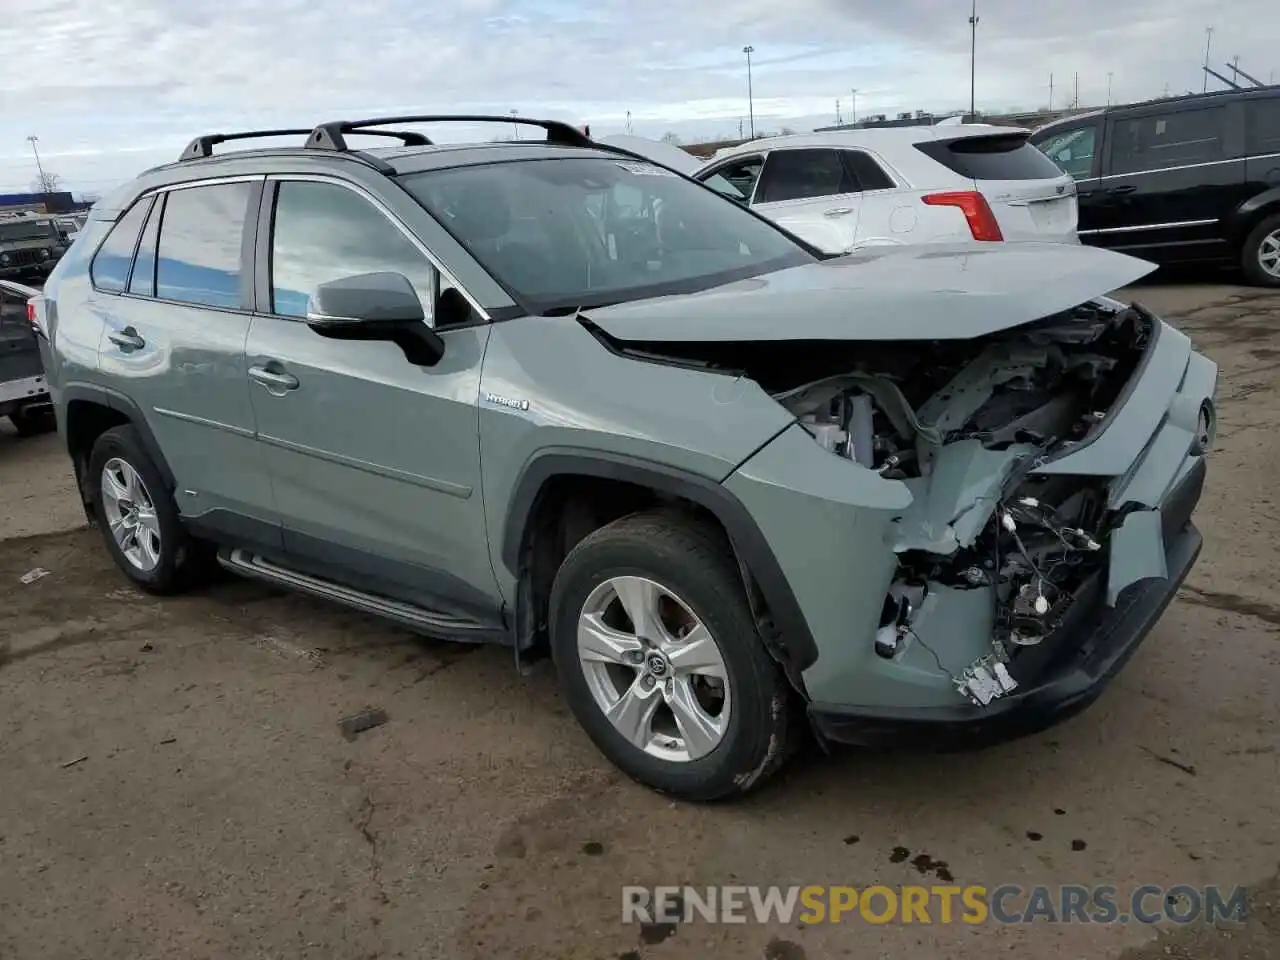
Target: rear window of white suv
994 157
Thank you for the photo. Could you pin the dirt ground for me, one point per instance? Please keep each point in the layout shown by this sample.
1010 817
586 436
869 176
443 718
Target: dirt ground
174 784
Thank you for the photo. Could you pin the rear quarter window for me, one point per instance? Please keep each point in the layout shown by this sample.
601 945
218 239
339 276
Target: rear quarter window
997 157
1163 140
1262 125
110 268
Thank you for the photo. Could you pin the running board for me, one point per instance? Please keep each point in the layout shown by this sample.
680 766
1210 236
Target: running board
247 564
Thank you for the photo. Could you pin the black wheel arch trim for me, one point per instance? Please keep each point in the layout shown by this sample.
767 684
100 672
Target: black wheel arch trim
117 401
1252 211
797 649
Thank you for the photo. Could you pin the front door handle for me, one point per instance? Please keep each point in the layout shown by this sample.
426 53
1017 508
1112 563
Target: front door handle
276 382
127 339
838 212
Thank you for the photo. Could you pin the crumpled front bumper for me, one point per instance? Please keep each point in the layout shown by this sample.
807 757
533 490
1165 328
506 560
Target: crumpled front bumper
1056 679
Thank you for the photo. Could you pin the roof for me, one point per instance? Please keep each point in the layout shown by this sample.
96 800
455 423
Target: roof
871 137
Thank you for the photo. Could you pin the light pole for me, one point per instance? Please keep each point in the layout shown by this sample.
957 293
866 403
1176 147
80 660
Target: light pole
973 60
515 126
1108 88
853 106
1208 43
751 102
33 140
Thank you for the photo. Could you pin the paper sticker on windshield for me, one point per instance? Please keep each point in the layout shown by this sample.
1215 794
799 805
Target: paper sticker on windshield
645 169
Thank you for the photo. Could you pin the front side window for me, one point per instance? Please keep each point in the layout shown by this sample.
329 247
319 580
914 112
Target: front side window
110 268
803 175
1166 140
737 178
326 232
1072 150
563 233
198 254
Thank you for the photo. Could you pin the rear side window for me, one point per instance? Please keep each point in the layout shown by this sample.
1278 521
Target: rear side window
143 279
198 259
1168 140
110 268
1262 125
803 175
869 174
1005 156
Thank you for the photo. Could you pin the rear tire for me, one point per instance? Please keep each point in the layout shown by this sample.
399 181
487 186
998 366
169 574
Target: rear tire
32 423
139 519
719 721
1260 256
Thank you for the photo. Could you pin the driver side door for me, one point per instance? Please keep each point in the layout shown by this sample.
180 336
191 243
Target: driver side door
374 461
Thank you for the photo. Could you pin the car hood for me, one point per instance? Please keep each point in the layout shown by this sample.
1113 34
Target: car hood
927 292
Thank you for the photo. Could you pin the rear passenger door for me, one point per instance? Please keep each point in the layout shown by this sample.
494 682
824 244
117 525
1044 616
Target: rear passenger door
173 341
811 192
1171 176
375 462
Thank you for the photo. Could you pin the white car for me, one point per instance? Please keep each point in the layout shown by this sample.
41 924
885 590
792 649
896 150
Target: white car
847 189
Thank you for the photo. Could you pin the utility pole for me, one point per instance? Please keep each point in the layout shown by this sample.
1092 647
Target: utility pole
973 60
1075 100
1051 92
1235 68
1166 89
740 136
33 140
1109 88
628 123
839 118
1208 44
853 106
515 126
751 99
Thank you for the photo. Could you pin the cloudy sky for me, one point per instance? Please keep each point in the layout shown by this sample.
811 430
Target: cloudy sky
113 86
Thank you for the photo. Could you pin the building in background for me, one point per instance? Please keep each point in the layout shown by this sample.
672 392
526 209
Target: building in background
59 202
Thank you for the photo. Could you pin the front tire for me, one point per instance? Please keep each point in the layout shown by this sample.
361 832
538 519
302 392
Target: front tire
139 519
1260 256
660 659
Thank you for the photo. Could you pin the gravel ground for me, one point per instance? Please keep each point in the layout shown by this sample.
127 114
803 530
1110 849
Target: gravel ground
175 784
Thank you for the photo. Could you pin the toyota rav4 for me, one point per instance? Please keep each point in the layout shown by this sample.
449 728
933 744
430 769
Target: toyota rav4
551 395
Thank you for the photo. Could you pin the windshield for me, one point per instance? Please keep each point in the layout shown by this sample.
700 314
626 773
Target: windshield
565 233
25 230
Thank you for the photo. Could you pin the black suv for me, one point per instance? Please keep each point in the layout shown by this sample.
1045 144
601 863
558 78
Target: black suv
1193 178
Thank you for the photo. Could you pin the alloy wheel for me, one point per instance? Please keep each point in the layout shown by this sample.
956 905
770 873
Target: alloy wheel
654 669
131 514
1269 253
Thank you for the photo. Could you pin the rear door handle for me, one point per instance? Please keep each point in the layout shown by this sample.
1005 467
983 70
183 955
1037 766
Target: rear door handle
127 339
1120 191
838 212
276 382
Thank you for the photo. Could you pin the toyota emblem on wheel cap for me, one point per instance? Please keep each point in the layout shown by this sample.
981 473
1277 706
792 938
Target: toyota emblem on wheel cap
657 665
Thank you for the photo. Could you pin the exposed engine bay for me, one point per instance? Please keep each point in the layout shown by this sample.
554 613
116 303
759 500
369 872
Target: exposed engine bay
963 424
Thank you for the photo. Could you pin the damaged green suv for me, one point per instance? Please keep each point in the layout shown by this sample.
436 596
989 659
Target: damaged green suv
551 395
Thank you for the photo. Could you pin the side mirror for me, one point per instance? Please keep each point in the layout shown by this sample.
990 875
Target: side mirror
375 306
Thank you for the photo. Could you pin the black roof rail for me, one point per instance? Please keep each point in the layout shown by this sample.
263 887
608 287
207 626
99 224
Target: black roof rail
202 147
331 136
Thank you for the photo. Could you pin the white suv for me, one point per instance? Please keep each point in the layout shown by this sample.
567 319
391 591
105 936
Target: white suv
847 189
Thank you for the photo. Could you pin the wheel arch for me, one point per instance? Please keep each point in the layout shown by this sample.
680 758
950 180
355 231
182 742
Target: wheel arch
784 629
88 411
1252 212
